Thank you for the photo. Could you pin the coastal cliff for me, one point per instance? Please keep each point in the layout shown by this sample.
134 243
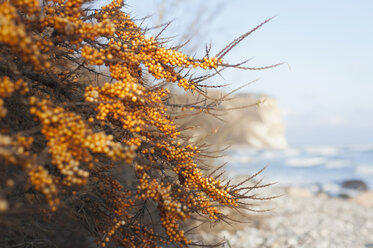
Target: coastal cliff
243 119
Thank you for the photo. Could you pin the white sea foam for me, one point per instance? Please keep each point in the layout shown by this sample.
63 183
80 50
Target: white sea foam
338 164
365 170
240 159
305 162
362 148
331 188
244 159
271 154
291 152
322 150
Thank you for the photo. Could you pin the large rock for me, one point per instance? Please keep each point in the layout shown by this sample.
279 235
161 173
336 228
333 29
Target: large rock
357 185
244 119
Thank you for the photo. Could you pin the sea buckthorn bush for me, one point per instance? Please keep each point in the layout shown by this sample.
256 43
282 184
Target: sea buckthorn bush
92 159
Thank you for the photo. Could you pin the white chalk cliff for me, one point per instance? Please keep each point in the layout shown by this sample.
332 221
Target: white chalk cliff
260 125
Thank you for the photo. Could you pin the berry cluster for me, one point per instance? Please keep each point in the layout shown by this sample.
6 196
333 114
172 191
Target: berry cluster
70 139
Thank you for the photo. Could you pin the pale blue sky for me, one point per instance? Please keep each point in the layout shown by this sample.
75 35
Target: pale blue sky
327 95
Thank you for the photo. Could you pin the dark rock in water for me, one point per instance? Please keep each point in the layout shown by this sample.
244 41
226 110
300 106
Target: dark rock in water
345 189
357 185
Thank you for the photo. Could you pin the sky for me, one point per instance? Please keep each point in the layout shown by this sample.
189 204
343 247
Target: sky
325 89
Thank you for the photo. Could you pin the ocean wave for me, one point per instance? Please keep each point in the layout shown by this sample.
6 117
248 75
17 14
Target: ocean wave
333 164
305 162
365 170
238 159
291 152
362 148
321 150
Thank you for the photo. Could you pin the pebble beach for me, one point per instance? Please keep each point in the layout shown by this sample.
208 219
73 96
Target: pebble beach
300 218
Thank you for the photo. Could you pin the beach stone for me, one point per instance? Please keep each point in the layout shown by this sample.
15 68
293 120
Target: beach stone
299 192
323 195
292 241
365 199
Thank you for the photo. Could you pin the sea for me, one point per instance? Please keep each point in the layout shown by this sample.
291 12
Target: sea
319 168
